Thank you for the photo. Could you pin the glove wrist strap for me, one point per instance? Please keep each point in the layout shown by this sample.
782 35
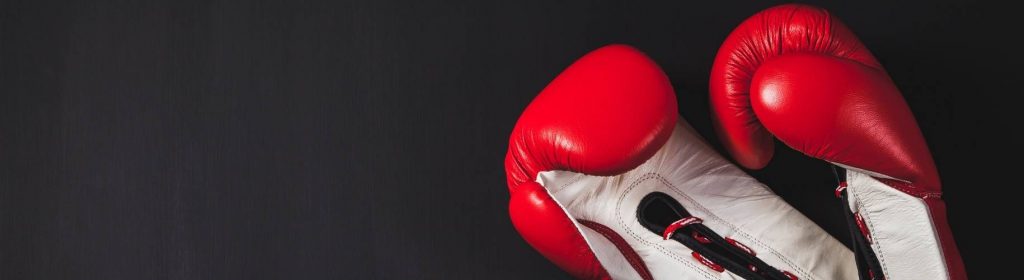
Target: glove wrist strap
894 233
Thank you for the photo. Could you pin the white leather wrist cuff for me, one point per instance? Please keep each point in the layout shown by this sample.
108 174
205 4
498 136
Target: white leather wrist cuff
728 200
902 235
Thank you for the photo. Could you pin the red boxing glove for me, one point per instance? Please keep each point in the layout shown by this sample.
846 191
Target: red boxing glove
797 73
608 182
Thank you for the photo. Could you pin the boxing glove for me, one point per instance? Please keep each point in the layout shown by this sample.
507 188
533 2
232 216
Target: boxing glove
796 73
607 181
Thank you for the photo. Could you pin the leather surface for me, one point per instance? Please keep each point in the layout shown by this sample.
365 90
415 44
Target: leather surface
902 234
548 228
777 31
599 133
797 73
605 114
841 111
728 201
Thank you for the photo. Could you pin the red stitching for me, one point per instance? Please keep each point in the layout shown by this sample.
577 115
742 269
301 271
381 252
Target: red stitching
701 238
752 238
710 264
840 188
737 244
631 256
790 275
863 228
679 224
871 274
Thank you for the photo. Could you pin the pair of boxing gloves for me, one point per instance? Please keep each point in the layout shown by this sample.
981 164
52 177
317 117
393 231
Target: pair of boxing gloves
607 181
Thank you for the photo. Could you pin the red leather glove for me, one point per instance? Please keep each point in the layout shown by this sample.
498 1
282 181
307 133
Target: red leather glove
797 73
608 182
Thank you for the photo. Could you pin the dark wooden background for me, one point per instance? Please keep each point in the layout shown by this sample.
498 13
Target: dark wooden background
364 140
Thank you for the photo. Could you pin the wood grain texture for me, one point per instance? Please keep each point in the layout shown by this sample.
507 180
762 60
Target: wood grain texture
364 140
